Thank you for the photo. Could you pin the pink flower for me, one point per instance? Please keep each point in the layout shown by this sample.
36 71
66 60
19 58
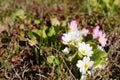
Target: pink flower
72 26
102 39
96 32
100 35
85 31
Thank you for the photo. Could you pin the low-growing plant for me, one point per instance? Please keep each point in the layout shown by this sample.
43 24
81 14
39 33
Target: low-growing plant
85 53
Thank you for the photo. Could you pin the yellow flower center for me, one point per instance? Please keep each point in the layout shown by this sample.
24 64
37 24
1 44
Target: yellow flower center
100 38
70 28
83 51
85 66
69 41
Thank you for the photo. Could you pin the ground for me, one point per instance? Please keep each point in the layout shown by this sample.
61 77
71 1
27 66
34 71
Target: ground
29 45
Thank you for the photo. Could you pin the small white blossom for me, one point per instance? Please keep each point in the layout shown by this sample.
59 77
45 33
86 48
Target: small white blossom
84 64
66 39
66 50
76 35
99 47
85 49
71 37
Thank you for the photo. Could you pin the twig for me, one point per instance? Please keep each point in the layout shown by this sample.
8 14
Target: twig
68 69
6 75
43 76
17 74
26 70
66 65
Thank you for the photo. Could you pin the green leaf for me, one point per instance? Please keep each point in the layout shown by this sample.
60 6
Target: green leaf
55 21
44 35
30 34
71 57
51 31
98 56
93 43
80 55
116 2
37 56
64 23
50 59
97 62
18 13
39 33
36 21
57 61
36 33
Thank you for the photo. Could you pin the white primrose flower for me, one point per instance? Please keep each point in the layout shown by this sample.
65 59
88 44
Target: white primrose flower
85 49
76 35
71 37
66 50
67 39
84 64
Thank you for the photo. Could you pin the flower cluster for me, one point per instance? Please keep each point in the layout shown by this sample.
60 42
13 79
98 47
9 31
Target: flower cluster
101 36
75 37
86 51
71 38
